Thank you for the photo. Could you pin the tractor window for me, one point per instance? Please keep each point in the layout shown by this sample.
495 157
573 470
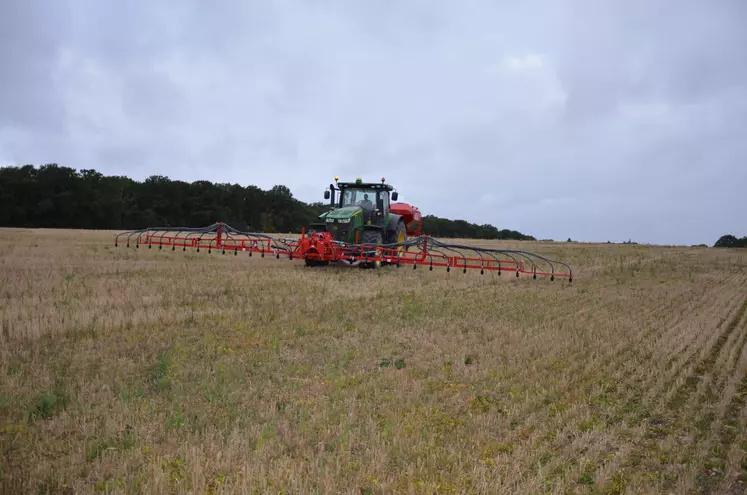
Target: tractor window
359 197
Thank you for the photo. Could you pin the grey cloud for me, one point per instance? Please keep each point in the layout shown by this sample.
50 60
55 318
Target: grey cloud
29 43
594 120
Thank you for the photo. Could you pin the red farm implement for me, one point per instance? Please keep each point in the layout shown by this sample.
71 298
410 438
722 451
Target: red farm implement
361 228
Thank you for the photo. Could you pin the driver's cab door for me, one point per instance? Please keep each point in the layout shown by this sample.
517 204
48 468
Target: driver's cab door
382 205
368 200
381 208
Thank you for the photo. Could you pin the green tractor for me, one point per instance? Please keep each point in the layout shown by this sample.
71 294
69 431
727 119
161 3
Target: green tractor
362 213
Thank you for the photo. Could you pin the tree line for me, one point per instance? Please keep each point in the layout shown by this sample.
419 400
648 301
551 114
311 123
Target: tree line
731 241
54 196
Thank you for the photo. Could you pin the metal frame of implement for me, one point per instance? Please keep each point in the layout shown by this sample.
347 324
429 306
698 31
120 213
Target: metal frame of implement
321 248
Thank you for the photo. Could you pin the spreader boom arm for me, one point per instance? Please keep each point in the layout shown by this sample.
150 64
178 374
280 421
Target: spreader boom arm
321 247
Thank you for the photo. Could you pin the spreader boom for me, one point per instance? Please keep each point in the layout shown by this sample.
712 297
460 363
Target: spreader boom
320 248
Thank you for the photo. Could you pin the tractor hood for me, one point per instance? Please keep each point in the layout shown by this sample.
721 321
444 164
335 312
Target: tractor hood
342 213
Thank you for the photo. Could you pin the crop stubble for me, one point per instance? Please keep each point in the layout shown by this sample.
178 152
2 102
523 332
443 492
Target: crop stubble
161 371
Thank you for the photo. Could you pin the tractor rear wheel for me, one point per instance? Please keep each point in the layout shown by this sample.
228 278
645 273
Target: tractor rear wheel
400 235
372 237
397 236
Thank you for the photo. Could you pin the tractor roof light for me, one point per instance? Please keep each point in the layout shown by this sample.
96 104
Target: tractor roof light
359 181
382 180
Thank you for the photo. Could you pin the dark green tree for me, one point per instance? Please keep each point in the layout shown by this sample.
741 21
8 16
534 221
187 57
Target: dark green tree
61 197
731 241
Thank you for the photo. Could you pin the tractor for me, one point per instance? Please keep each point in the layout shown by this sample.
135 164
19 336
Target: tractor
366 213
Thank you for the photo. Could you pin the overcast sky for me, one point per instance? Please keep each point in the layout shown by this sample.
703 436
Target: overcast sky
596 120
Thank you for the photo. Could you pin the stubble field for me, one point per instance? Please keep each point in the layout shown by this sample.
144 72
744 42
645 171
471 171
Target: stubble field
149 371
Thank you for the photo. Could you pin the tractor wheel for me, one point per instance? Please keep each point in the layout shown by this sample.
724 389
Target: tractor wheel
397 236
372 237
400 235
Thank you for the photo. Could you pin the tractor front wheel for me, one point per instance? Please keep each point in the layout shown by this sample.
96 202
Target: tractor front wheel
372 237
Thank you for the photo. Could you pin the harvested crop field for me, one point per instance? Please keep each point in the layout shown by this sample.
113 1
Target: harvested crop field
125 371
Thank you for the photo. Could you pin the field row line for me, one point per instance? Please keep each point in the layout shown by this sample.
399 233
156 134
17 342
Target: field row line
620 365
671 422
734 385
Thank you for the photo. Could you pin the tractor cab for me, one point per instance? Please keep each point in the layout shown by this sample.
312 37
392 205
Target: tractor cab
373 199
360 212
374 202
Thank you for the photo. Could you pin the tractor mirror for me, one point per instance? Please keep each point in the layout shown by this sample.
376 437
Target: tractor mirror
326 194
395 195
